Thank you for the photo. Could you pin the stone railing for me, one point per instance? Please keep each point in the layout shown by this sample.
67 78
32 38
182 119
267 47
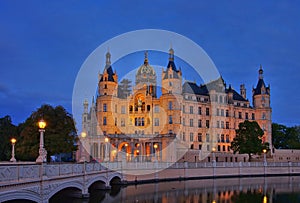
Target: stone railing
35 172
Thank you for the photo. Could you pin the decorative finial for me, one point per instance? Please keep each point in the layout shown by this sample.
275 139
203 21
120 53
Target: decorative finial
171 54
146 57
108 57
260 72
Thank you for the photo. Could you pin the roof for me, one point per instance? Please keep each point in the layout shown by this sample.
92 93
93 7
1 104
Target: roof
218 85
260 85
110 73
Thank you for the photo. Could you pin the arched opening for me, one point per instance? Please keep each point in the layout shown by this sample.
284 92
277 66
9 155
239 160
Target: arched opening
19 201
116 185
69 194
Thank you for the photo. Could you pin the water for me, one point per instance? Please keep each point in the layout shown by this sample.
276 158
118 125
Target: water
254 189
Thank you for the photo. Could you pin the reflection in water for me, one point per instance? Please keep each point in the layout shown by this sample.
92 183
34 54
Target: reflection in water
255 189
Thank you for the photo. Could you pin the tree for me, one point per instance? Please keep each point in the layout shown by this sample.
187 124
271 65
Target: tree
285 137
248 139
7 131
60 133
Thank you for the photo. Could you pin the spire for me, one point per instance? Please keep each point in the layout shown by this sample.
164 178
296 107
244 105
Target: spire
146 58
171 54
108 63
260 72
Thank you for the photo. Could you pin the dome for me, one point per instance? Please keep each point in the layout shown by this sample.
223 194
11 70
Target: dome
145 69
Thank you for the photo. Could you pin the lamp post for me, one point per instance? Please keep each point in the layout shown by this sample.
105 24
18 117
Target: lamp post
13 141
155 151
265 159
82 154
213 154
106 158
42 151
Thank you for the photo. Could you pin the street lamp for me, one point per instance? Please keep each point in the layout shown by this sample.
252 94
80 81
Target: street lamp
42 151
213 153
13 141
265 159
155 151
106 158
82 154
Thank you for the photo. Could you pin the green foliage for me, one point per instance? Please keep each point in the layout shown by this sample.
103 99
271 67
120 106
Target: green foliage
248 139
7 131
59 137
285 137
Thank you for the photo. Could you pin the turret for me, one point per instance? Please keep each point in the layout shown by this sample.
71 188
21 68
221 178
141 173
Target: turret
108 81
171 77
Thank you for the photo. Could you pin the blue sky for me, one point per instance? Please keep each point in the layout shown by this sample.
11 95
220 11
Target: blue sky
44 43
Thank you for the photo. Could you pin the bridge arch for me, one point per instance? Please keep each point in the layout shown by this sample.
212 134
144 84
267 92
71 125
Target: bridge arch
72 184
97 178
21 195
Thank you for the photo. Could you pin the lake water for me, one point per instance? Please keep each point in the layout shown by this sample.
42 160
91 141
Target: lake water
254 189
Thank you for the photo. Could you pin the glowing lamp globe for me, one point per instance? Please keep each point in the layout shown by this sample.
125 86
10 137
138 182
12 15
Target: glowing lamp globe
42 124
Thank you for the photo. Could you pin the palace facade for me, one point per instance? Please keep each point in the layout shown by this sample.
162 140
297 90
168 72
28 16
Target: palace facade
194 119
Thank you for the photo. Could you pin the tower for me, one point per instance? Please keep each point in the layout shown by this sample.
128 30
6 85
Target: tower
107 92
171 78
261 103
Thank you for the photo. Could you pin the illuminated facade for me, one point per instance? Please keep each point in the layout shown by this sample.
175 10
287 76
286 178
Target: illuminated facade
140 124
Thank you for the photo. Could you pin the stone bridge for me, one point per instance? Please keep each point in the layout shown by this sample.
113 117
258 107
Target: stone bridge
39 183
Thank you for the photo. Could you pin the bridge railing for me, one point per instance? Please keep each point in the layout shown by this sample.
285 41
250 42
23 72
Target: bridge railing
10 173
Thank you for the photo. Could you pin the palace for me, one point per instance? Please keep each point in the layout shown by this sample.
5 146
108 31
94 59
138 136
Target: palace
194 119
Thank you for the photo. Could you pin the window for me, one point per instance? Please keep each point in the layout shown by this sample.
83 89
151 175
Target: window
221 99
200 146
199 137
183 136
104 120
148 107
222 124
199 123
123 110
183 108
156 108
199 111
122 122
227 113
104 107
222 138
136 122
207 137
219 138
218 112
183 121
105 86
219 148
240 115
191 137
222 112
218 124
207 123
253 116
130 108
207 111
227 125
224 148
208 149
170 119
227 139
170 105
156 122
246 116
191 109
191 122
116 121
263 116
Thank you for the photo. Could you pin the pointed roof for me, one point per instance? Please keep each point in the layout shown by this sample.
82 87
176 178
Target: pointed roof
261 84
108 69
171 65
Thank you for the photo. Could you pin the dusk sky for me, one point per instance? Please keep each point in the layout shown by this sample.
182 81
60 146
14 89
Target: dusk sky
44 43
